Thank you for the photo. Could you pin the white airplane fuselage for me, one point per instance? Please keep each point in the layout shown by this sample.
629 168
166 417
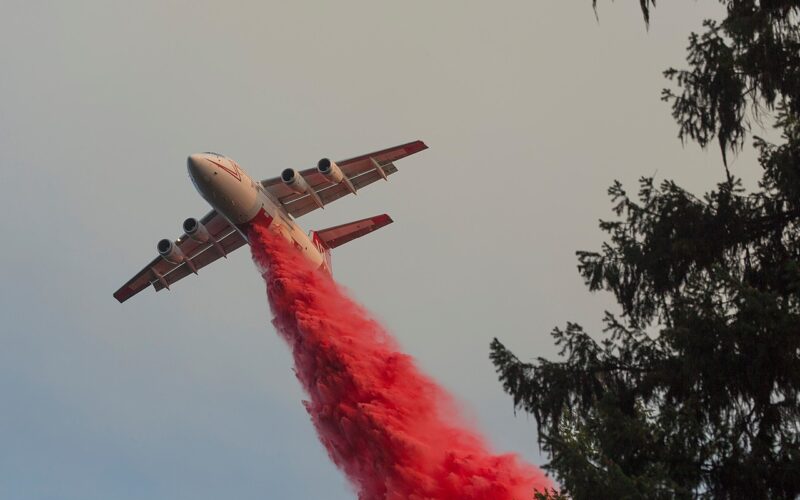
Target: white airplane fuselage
245 203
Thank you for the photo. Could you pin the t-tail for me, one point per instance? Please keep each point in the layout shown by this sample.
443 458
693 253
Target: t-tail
332 237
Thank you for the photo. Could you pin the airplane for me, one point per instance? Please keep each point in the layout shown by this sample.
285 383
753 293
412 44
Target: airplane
238 203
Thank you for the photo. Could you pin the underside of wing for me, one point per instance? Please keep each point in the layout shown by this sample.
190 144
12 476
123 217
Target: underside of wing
305 204
336 236
212 237
204 257
357 172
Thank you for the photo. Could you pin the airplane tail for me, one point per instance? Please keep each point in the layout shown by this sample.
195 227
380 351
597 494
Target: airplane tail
332 237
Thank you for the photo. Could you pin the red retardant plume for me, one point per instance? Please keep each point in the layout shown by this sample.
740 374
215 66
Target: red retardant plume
389 427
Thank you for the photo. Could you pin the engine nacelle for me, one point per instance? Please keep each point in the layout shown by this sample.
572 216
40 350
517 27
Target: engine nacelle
196 230
295 181
334 174
330 170
170 252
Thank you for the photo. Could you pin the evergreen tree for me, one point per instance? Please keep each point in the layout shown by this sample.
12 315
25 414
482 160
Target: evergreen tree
693 389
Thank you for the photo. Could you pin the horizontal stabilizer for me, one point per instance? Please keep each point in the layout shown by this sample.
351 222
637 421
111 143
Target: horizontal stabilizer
339 235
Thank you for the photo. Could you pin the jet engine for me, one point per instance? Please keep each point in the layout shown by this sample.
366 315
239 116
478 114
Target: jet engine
330 170
196 230
296 183
334 174
170 252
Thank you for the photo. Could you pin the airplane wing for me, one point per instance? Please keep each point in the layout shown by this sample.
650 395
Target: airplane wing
161 274
361 171
333 237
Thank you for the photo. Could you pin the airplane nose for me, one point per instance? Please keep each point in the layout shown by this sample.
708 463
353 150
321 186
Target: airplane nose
199 167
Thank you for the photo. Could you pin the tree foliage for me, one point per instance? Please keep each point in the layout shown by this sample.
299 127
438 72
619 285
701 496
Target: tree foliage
693 390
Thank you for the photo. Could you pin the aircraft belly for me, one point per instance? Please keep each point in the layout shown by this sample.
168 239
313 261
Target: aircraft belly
239 206
267 214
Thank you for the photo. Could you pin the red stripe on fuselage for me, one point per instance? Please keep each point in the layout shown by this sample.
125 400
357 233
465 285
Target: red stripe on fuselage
235 172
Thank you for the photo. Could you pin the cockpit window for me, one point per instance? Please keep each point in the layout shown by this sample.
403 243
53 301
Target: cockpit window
213 153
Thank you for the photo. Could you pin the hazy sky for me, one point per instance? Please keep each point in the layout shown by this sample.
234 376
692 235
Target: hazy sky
530 109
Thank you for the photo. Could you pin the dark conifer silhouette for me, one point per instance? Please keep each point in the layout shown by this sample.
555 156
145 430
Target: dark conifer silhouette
692 390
